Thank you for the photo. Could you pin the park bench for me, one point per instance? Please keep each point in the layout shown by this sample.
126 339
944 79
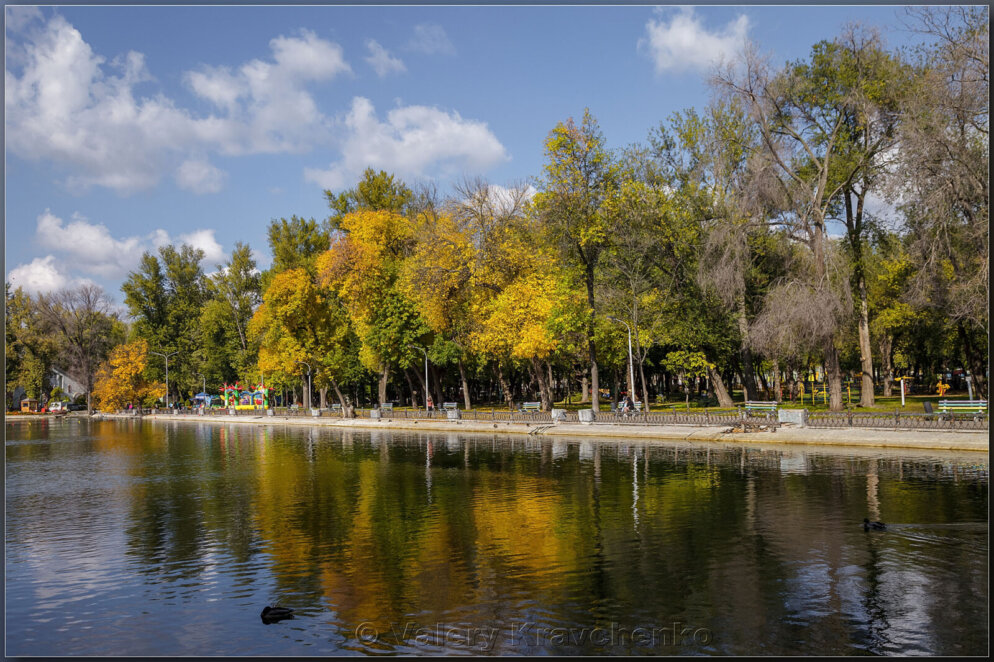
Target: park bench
531 407
450 406
336 408
767 407
963 406
762 406
387 406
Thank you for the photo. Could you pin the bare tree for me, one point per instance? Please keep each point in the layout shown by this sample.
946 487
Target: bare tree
82 318
943 178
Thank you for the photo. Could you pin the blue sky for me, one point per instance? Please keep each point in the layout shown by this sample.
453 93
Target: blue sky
128 127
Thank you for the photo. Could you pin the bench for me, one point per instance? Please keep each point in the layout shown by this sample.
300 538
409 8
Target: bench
963 406
531 406
336 408
762 406
387 406
450 406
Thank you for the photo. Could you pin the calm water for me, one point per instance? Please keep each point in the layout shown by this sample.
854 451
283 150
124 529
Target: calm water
141 538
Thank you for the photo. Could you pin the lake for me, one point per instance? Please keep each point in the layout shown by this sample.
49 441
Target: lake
168 538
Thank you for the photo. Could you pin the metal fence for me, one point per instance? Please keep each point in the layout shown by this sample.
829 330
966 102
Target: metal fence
898 419
706 417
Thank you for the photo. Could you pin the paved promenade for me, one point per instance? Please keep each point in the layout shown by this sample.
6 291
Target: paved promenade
973 441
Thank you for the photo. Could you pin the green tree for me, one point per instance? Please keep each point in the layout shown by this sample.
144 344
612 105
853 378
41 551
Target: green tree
579 176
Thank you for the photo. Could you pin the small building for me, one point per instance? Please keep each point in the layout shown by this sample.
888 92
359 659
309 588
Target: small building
29 405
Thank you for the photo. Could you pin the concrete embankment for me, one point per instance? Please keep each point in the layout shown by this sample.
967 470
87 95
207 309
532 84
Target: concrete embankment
958 440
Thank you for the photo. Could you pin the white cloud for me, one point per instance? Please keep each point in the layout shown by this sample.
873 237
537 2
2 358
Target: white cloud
38 276
66 104
430 38
684 43
266 105
414 141
90 248
205 241
381 61
199 176
19 16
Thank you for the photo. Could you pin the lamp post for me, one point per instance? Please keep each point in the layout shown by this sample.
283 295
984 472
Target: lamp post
631 365
204 390
426 371
308 382
166 357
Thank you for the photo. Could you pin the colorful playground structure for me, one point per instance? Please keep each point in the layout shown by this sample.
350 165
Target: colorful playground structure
234 396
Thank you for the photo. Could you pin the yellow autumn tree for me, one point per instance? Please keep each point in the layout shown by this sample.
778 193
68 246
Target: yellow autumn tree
362 269
120 381
297 322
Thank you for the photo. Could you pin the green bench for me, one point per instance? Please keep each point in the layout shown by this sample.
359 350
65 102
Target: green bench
761 406
531 407
450 406
963 406
387 406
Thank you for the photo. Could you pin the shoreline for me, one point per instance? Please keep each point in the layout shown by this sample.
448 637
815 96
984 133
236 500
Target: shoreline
947 440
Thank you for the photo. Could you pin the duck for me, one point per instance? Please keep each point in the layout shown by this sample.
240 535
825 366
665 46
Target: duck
274 614
873 526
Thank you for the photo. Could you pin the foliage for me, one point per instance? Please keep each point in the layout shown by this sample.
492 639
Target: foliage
121 381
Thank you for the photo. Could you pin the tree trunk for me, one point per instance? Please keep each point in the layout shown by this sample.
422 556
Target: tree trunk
584 389
866 398
382 386
777 386
833 376
595 395
505 387
724 399
436 385
465 385
976 367
323 392
411 389
543 386
645 387
887 367
745 353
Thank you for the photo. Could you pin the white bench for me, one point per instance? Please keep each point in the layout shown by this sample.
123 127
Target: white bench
450 406
531 406
387 406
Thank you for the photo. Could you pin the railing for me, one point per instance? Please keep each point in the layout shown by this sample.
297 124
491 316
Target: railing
674 416
897 419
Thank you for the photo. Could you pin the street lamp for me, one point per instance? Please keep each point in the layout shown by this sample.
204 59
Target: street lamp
204 391
426 371
308 382
166 357
631 365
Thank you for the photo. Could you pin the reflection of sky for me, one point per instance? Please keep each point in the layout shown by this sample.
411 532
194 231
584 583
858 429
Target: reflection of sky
338 529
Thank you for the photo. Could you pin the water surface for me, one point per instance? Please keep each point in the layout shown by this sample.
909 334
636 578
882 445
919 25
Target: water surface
157 538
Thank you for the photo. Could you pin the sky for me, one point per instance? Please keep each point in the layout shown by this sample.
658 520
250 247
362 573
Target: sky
130 127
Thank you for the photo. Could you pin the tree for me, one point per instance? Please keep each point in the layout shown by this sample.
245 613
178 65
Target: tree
121 380
579 176
234 292
31 345
298 323
376 191
943 174
362 270
165 297
295 243
82 320
801 112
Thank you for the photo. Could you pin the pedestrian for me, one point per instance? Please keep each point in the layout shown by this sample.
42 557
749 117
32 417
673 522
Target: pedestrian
431 405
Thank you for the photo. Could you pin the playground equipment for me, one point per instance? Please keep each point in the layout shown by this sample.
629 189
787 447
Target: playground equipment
235 397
